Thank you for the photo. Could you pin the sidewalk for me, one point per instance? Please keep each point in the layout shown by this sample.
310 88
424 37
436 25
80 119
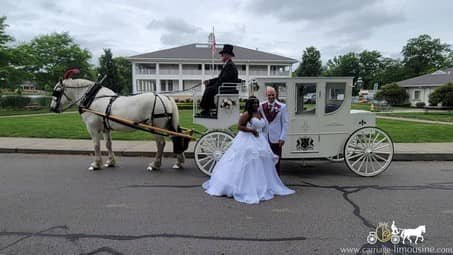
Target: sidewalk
403 151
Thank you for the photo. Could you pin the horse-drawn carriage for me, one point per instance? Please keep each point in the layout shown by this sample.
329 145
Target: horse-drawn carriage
321 122
324 127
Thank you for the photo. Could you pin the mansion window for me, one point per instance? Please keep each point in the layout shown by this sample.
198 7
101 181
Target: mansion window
145 69
417 95
144 86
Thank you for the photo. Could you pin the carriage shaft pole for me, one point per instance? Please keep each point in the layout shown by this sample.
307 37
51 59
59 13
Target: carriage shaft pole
141 126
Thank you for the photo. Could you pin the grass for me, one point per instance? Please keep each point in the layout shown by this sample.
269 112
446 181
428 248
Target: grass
360 107
434 116
412 132
70 126
10 111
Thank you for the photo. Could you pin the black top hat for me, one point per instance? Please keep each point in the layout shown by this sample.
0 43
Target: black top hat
228 49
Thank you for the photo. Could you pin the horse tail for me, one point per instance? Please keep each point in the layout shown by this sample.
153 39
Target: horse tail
174 114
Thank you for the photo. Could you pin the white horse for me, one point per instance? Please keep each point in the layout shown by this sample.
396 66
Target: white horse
147 108
417 232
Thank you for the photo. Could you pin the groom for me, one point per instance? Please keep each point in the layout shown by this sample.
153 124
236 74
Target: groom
277 117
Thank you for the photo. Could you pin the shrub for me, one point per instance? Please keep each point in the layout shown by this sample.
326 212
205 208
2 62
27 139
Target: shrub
443 95
176 100
188 100
42 101
14 101
420 104
393 94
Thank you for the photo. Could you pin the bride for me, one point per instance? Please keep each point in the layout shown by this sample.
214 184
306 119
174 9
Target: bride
246 171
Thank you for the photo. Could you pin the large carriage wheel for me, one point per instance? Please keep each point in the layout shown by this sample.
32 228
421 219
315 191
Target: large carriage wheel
368 151
337 158
210 148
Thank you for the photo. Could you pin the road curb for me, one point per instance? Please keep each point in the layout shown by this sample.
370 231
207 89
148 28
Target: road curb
396 157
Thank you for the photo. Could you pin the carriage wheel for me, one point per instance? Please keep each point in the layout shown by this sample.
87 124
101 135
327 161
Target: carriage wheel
369 151
210 148
337 158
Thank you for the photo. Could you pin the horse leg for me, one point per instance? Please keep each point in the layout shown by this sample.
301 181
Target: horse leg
179 161
155 165
97 163
416 239
108 144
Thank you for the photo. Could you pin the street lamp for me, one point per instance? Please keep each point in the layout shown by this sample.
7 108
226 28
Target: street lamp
359 83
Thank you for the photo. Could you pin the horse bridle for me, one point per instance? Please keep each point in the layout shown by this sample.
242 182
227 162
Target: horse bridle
59 92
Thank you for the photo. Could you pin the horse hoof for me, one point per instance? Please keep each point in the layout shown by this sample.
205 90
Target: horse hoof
175 166
109 165
92 168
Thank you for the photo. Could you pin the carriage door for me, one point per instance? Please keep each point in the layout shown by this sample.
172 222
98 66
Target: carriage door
303 136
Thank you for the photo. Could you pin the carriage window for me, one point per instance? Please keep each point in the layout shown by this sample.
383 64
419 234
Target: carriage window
305 98
334 96
280 89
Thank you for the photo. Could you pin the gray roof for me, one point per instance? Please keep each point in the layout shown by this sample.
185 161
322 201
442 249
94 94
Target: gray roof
434 79
202 52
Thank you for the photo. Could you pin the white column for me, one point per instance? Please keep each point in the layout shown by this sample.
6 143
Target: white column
202 70
180 85
157 68
268 70
158 82
247 67
134 82
180 69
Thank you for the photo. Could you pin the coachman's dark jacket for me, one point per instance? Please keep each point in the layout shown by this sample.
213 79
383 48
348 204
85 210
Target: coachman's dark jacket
228 74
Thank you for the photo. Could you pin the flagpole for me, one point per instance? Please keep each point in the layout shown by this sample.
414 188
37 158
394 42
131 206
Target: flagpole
213 52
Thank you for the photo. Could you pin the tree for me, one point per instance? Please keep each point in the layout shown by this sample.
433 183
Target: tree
311 63
443 95
4 53
370 67
4 38
424 54
391 71
393 94
345 65
50 55
124 72
107 67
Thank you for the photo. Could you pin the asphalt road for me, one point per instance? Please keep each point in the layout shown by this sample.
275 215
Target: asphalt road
51 204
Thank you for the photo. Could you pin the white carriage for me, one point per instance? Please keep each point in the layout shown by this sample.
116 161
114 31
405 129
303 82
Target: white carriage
321 124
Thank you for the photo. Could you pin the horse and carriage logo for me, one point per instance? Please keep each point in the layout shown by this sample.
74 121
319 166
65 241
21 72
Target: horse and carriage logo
383 233
305 143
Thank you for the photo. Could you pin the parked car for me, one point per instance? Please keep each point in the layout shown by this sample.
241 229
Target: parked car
310 98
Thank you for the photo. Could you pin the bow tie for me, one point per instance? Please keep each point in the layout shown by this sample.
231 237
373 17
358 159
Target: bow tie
271 107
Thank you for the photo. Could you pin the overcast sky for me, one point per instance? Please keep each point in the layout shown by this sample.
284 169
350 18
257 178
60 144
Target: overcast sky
283 27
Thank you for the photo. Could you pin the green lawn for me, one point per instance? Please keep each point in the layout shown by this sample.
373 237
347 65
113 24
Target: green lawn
9 111
71 126
435 116
360 107
412 132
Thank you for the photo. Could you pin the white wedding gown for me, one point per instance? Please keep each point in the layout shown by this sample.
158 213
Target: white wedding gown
246 171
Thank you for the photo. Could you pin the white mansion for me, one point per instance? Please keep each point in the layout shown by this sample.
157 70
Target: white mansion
180 68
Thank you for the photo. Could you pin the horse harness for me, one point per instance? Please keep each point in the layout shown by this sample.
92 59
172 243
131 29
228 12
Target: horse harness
90 96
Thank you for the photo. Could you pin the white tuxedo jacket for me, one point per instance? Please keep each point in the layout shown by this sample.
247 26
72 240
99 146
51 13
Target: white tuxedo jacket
278 127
